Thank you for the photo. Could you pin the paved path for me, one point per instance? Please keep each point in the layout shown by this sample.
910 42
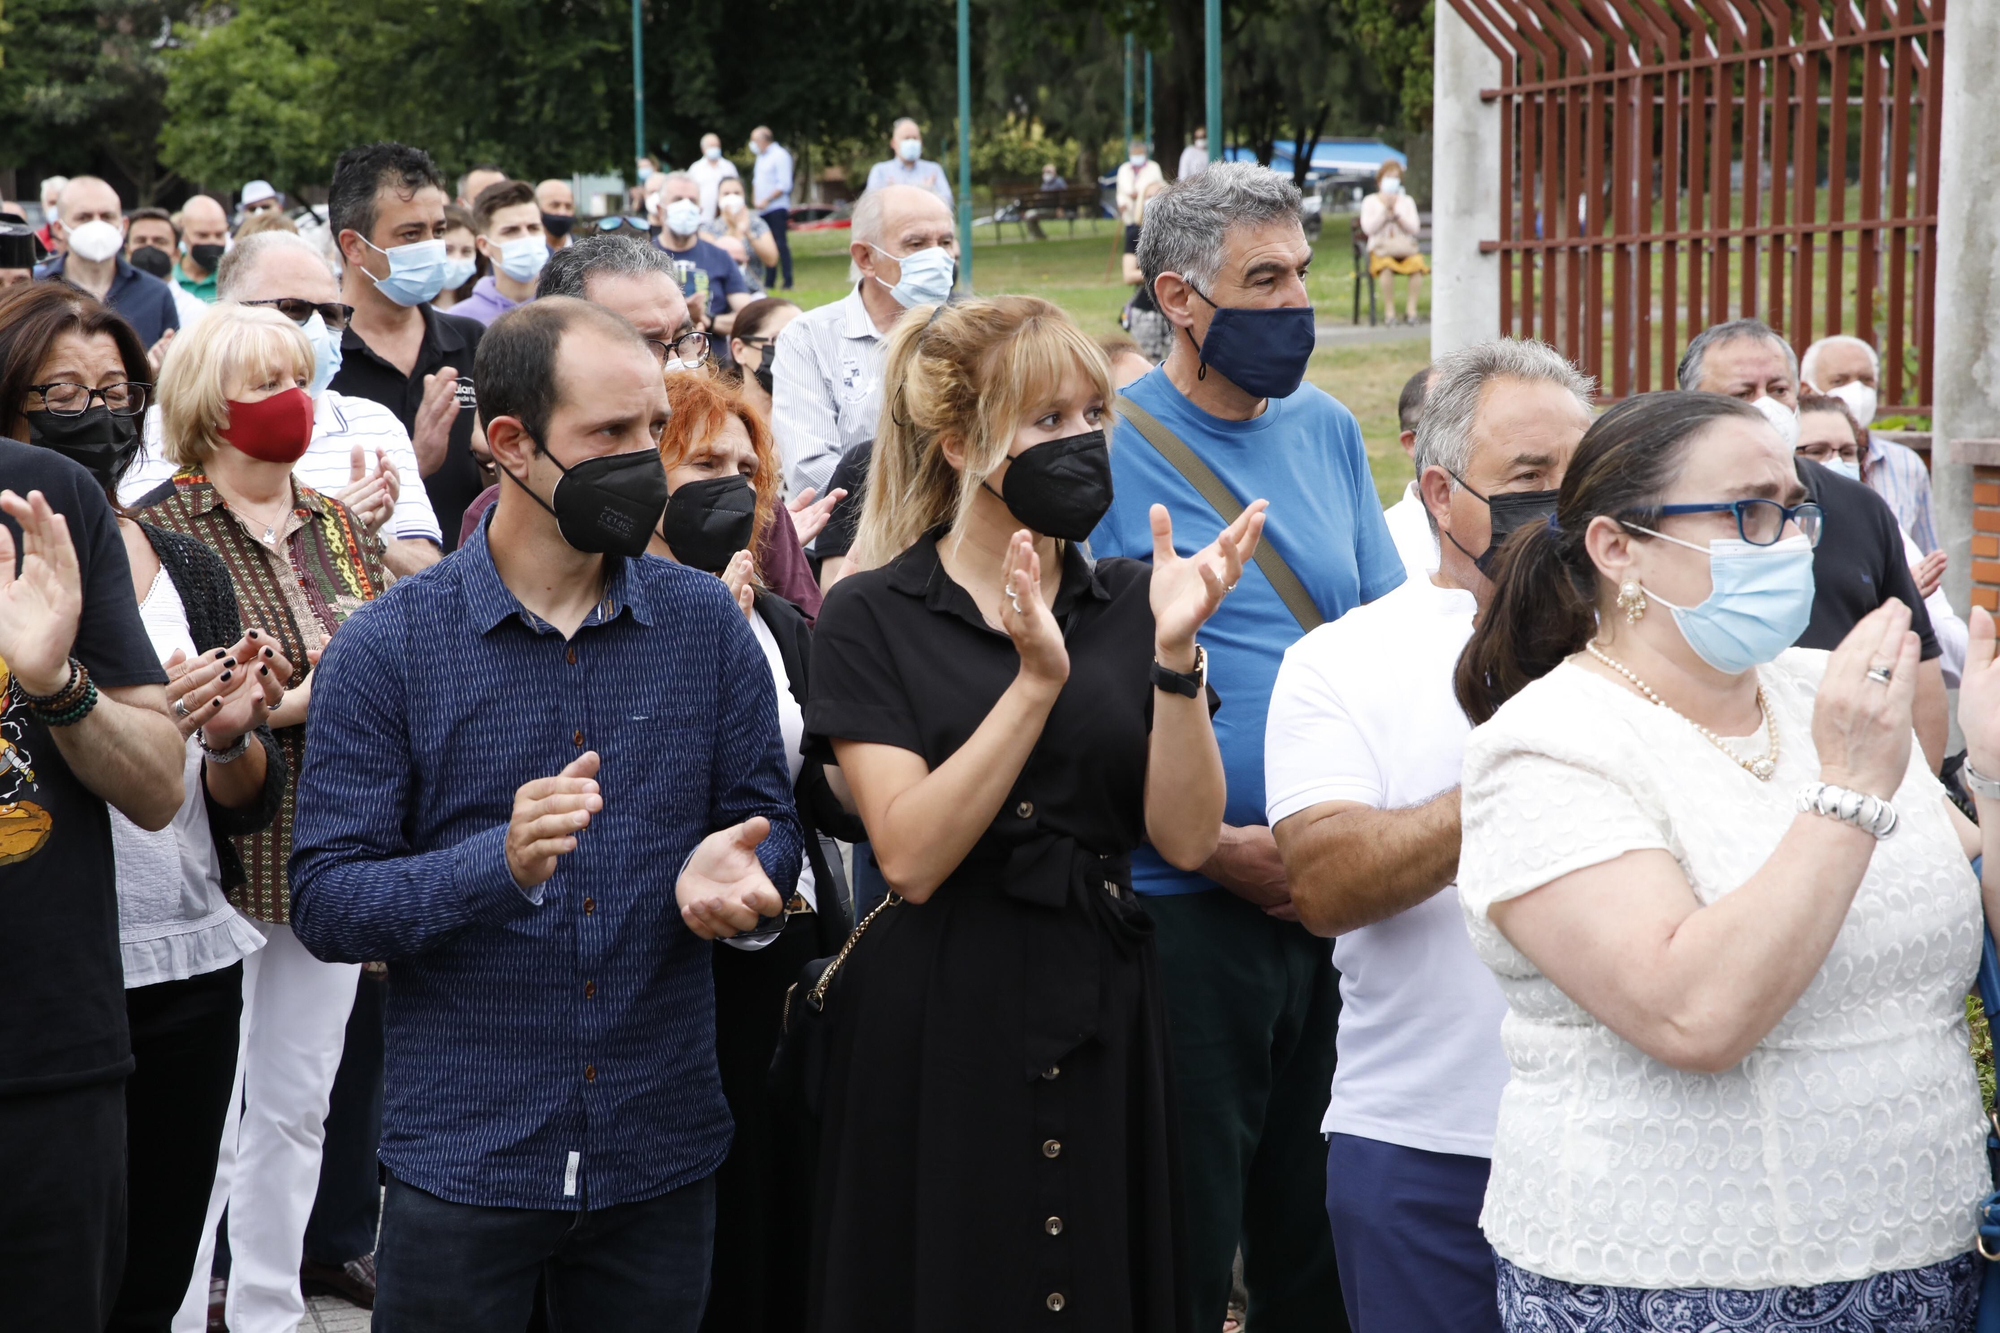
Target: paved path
1336 335
330 1314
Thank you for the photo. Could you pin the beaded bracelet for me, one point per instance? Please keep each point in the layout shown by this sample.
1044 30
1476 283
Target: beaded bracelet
62 700
72 715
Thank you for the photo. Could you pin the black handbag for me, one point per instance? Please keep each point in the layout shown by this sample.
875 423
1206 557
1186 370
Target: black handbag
805 1031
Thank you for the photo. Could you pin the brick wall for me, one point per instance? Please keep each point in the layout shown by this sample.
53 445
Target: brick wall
1986 537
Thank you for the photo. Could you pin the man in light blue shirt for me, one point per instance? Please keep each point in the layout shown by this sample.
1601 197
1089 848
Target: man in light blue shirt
771 193
907 165
1252 998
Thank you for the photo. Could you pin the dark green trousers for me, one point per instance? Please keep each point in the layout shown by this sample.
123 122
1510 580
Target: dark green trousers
1252 1005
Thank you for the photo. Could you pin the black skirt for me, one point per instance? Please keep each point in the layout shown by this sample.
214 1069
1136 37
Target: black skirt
999 1146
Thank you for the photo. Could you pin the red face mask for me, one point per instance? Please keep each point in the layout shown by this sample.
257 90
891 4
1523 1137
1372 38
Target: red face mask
276 429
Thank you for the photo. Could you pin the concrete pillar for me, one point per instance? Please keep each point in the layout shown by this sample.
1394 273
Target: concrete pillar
1465 188
1966 389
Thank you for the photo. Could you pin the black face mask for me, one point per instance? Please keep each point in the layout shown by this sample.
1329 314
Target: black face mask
709 521
1509 513
104 444
763 376
1060 488
205 257
608 505
557 224
152 259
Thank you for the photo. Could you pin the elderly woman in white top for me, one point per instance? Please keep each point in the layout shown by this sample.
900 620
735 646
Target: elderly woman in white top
1729 907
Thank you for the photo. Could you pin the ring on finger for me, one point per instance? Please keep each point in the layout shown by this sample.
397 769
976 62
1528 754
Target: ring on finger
180 708
1880 675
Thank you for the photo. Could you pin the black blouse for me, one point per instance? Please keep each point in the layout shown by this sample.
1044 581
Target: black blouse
902 656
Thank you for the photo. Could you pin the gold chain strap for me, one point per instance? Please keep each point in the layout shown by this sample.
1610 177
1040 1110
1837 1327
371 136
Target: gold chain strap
817 995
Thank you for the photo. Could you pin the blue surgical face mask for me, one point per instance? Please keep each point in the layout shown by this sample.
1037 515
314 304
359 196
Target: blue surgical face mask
458 272
928 275
1759 603
1261 351
326 354
416 271
1849 468
523 258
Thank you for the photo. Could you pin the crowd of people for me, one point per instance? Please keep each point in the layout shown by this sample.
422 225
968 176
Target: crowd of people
541 791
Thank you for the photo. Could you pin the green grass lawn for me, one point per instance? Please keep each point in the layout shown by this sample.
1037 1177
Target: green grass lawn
1082 276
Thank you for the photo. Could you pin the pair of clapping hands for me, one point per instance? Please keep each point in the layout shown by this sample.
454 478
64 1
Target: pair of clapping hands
722 891
228 692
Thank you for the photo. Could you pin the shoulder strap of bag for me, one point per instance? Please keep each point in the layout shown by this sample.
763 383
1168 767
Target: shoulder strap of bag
1202 477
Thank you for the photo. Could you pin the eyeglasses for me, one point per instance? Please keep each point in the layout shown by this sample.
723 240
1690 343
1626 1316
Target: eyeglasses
690 348
298 310
1759 522
73 400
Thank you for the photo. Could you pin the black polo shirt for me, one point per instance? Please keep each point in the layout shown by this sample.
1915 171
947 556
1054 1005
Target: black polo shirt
1859 562
448 341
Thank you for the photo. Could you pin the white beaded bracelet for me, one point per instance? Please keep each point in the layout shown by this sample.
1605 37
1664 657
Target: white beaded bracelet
1870 814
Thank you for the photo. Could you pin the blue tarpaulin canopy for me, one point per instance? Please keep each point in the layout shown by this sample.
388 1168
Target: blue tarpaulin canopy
1342 157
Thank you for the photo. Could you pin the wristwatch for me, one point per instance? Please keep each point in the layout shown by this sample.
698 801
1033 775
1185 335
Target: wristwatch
1189 684
1978 783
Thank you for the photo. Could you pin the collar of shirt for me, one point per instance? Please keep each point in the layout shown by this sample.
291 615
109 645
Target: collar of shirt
489 602
920 572
202 287
123 276
196 495
441 336
855 321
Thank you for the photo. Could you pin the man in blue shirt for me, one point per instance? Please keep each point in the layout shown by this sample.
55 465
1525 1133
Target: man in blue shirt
89 221
771 193
907 164
541 776
680 207
1252 998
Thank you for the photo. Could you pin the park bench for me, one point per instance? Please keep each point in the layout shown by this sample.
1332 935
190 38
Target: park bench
1361 278
1028 205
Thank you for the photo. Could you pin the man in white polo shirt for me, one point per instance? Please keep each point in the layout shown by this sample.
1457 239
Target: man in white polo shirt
1362 752
360 453
1409 522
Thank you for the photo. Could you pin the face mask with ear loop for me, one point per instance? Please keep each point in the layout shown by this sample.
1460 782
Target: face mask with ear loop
1759 601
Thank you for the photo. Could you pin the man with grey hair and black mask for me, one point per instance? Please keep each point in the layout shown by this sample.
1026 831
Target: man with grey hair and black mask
1361 762
1862 564
1843 366
1252 998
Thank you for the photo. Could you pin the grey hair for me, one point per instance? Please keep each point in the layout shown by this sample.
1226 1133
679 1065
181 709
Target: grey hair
906 120
1811 358
244 256
670 177
1185 226
571 268
1458 387
1692 367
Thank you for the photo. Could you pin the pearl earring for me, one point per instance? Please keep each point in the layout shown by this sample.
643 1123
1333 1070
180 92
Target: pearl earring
1632 601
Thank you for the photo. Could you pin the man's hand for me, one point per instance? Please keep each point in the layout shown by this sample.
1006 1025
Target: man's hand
371 496
809 516
431 436
39 609
724 889
1247 864
548 815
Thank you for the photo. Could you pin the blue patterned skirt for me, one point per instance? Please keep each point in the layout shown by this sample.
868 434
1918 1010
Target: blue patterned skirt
1940 1298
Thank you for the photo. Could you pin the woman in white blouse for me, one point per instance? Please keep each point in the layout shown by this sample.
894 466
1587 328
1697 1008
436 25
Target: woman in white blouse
1729 907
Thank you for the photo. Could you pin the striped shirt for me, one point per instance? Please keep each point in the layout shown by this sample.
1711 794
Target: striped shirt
826 389
326 571
340 421
553 1048
1897 473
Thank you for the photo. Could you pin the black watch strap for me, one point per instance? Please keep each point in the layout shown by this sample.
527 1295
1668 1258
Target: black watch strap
1188 685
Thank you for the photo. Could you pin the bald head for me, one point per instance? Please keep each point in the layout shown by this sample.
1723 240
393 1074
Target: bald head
890 212
555 196
203 221
88 199
274 265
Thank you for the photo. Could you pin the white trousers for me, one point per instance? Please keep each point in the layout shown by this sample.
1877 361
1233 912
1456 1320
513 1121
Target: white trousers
295 1011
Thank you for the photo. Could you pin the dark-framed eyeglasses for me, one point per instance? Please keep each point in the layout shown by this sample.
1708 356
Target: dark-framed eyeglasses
689 348
73 400
1758 522
299 310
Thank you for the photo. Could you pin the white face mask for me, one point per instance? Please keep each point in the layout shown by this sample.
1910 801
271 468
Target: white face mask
711 153
1138 159
731 203
1860 400
96 241
910 149
1783 418
1849 468
682 216
1392 185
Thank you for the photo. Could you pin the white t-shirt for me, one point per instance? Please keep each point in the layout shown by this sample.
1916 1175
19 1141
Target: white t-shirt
340 421
1410 528
1849 1142
708 177
174 921
1363 711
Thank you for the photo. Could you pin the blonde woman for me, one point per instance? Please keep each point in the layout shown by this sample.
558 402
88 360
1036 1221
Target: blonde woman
1390 221
1012 721
235 416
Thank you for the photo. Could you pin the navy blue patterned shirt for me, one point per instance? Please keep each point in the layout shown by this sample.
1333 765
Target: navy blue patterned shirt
554 1049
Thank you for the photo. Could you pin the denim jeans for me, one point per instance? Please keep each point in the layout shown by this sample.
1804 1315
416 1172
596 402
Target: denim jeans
459 1268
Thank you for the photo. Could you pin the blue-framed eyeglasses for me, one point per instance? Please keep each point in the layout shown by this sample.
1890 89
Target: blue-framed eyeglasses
1758 522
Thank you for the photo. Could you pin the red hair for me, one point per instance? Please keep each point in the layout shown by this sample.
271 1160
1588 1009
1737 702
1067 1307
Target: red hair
701 404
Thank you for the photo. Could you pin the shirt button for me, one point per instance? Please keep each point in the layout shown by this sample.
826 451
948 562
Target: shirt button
1055 1302
1053 1226
1052 1148
578 738
589 906
590 1073
572 654
1052 1071
589 990
1025 810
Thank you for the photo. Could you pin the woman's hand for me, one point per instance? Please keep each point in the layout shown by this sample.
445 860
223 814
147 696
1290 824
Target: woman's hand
737 578
1026 617
1928 573
1979 696
228 691
809 516
1185 592
1861 725
370 496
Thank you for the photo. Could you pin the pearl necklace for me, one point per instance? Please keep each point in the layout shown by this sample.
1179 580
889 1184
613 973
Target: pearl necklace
1761 768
